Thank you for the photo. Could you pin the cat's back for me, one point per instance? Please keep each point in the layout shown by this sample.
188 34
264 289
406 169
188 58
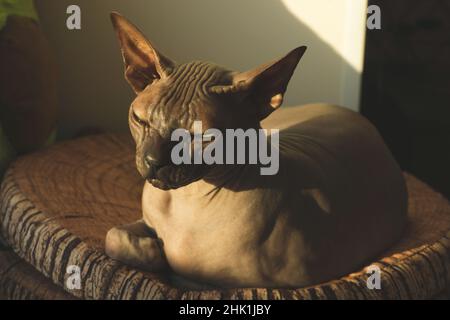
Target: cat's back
341 151
288 116
341 174
329 136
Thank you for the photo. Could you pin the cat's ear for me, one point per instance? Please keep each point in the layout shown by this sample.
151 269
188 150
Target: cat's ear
143 63
266 85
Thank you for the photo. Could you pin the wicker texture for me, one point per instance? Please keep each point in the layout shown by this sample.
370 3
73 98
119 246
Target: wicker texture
58 204
18 280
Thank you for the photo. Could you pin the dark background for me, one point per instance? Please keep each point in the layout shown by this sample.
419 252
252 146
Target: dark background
406 86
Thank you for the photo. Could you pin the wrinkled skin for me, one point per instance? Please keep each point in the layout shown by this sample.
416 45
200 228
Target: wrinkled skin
337 201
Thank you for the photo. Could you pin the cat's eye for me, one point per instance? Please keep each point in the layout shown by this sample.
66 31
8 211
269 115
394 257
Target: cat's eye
139 120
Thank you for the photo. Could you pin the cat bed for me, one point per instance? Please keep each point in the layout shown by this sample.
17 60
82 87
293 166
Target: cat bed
20 281
57 205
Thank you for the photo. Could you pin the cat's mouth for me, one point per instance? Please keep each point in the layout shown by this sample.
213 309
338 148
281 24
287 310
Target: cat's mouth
173 177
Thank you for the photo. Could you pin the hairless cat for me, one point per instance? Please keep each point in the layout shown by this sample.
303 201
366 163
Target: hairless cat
338 200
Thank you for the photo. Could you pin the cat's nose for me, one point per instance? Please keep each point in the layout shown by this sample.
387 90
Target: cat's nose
152 164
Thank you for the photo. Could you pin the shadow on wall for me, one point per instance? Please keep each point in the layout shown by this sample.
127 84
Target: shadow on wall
237 34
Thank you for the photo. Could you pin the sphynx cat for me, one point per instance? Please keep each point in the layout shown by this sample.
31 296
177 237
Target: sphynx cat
338 200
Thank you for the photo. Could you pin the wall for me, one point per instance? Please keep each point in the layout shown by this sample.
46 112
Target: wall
237 34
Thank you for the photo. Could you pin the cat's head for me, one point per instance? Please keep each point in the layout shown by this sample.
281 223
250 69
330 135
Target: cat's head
172 96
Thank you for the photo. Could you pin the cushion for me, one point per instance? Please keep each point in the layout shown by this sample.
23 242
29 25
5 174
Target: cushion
57 205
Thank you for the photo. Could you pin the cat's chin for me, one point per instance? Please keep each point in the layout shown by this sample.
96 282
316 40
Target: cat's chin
159 184
171 178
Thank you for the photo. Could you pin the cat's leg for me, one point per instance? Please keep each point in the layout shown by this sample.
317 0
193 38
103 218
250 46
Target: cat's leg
136 244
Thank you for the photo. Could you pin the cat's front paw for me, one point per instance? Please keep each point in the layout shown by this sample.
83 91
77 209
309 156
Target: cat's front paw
140 251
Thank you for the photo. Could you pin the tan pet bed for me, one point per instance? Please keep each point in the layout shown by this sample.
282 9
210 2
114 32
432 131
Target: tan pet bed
58 204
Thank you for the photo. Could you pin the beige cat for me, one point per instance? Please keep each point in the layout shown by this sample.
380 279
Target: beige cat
338 200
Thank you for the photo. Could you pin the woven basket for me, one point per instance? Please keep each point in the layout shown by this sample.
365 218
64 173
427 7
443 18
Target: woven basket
58 204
